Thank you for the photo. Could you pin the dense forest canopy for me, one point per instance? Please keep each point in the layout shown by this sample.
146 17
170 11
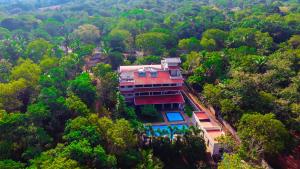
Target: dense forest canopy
241 56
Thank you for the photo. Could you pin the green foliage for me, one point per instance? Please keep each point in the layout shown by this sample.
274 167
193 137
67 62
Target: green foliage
10 164
81 128
242 56
152 42
261 134
107 96
74 104
38 112
82 87
188 110
149 110
20 138
101 70
71 64
148 60
46 63
149 161
120 40
115 59
28 71
36 49
190 44
87 33
213 39
5 68
233 161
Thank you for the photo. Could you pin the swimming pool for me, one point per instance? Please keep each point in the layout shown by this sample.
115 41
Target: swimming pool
174 116
165 130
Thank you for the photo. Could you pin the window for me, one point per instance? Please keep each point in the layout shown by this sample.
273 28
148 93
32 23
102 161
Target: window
142 73
156 85
166 85
144 94
139 86
174 84
154 74
147 85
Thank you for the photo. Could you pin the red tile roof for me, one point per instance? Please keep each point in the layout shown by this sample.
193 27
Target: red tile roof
157 89
202 116
167 99
163 77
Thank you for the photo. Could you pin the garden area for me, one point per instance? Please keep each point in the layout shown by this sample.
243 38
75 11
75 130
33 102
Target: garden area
149 114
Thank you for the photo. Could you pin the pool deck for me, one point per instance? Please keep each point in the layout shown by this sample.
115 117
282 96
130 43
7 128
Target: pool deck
187 120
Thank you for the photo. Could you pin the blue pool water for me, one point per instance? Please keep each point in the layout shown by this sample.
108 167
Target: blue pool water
165 130
174 116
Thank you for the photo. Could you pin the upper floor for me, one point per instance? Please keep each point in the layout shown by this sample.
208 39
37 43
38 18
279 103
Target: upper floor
162 75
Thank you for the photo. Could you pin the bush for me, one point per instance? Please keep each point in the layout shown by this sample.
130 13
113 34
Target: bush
188 110
149 110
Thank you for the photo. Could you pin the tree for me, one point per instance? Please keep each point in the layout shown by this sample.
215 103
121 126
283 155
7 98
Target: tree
20 139
233 161
152 42
149 161
54 158
11 49
105 93
213 39
115 59
10 164
120 40
118 135
82 128
101 69
189 44
38 113
294 41
261 134
5 68
193 60
56 77
82 87
250 37
87 33
148 60
71 64
28 71
149 110
46 63
36 49
74 104
9 95
212 94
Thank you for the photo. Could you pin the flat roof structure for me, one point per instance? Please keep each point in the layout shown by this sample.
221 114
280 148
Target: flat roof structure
202 116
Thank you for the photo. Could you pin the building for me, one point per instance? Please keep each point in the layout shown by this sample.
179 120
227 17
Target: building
158 85
211 131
